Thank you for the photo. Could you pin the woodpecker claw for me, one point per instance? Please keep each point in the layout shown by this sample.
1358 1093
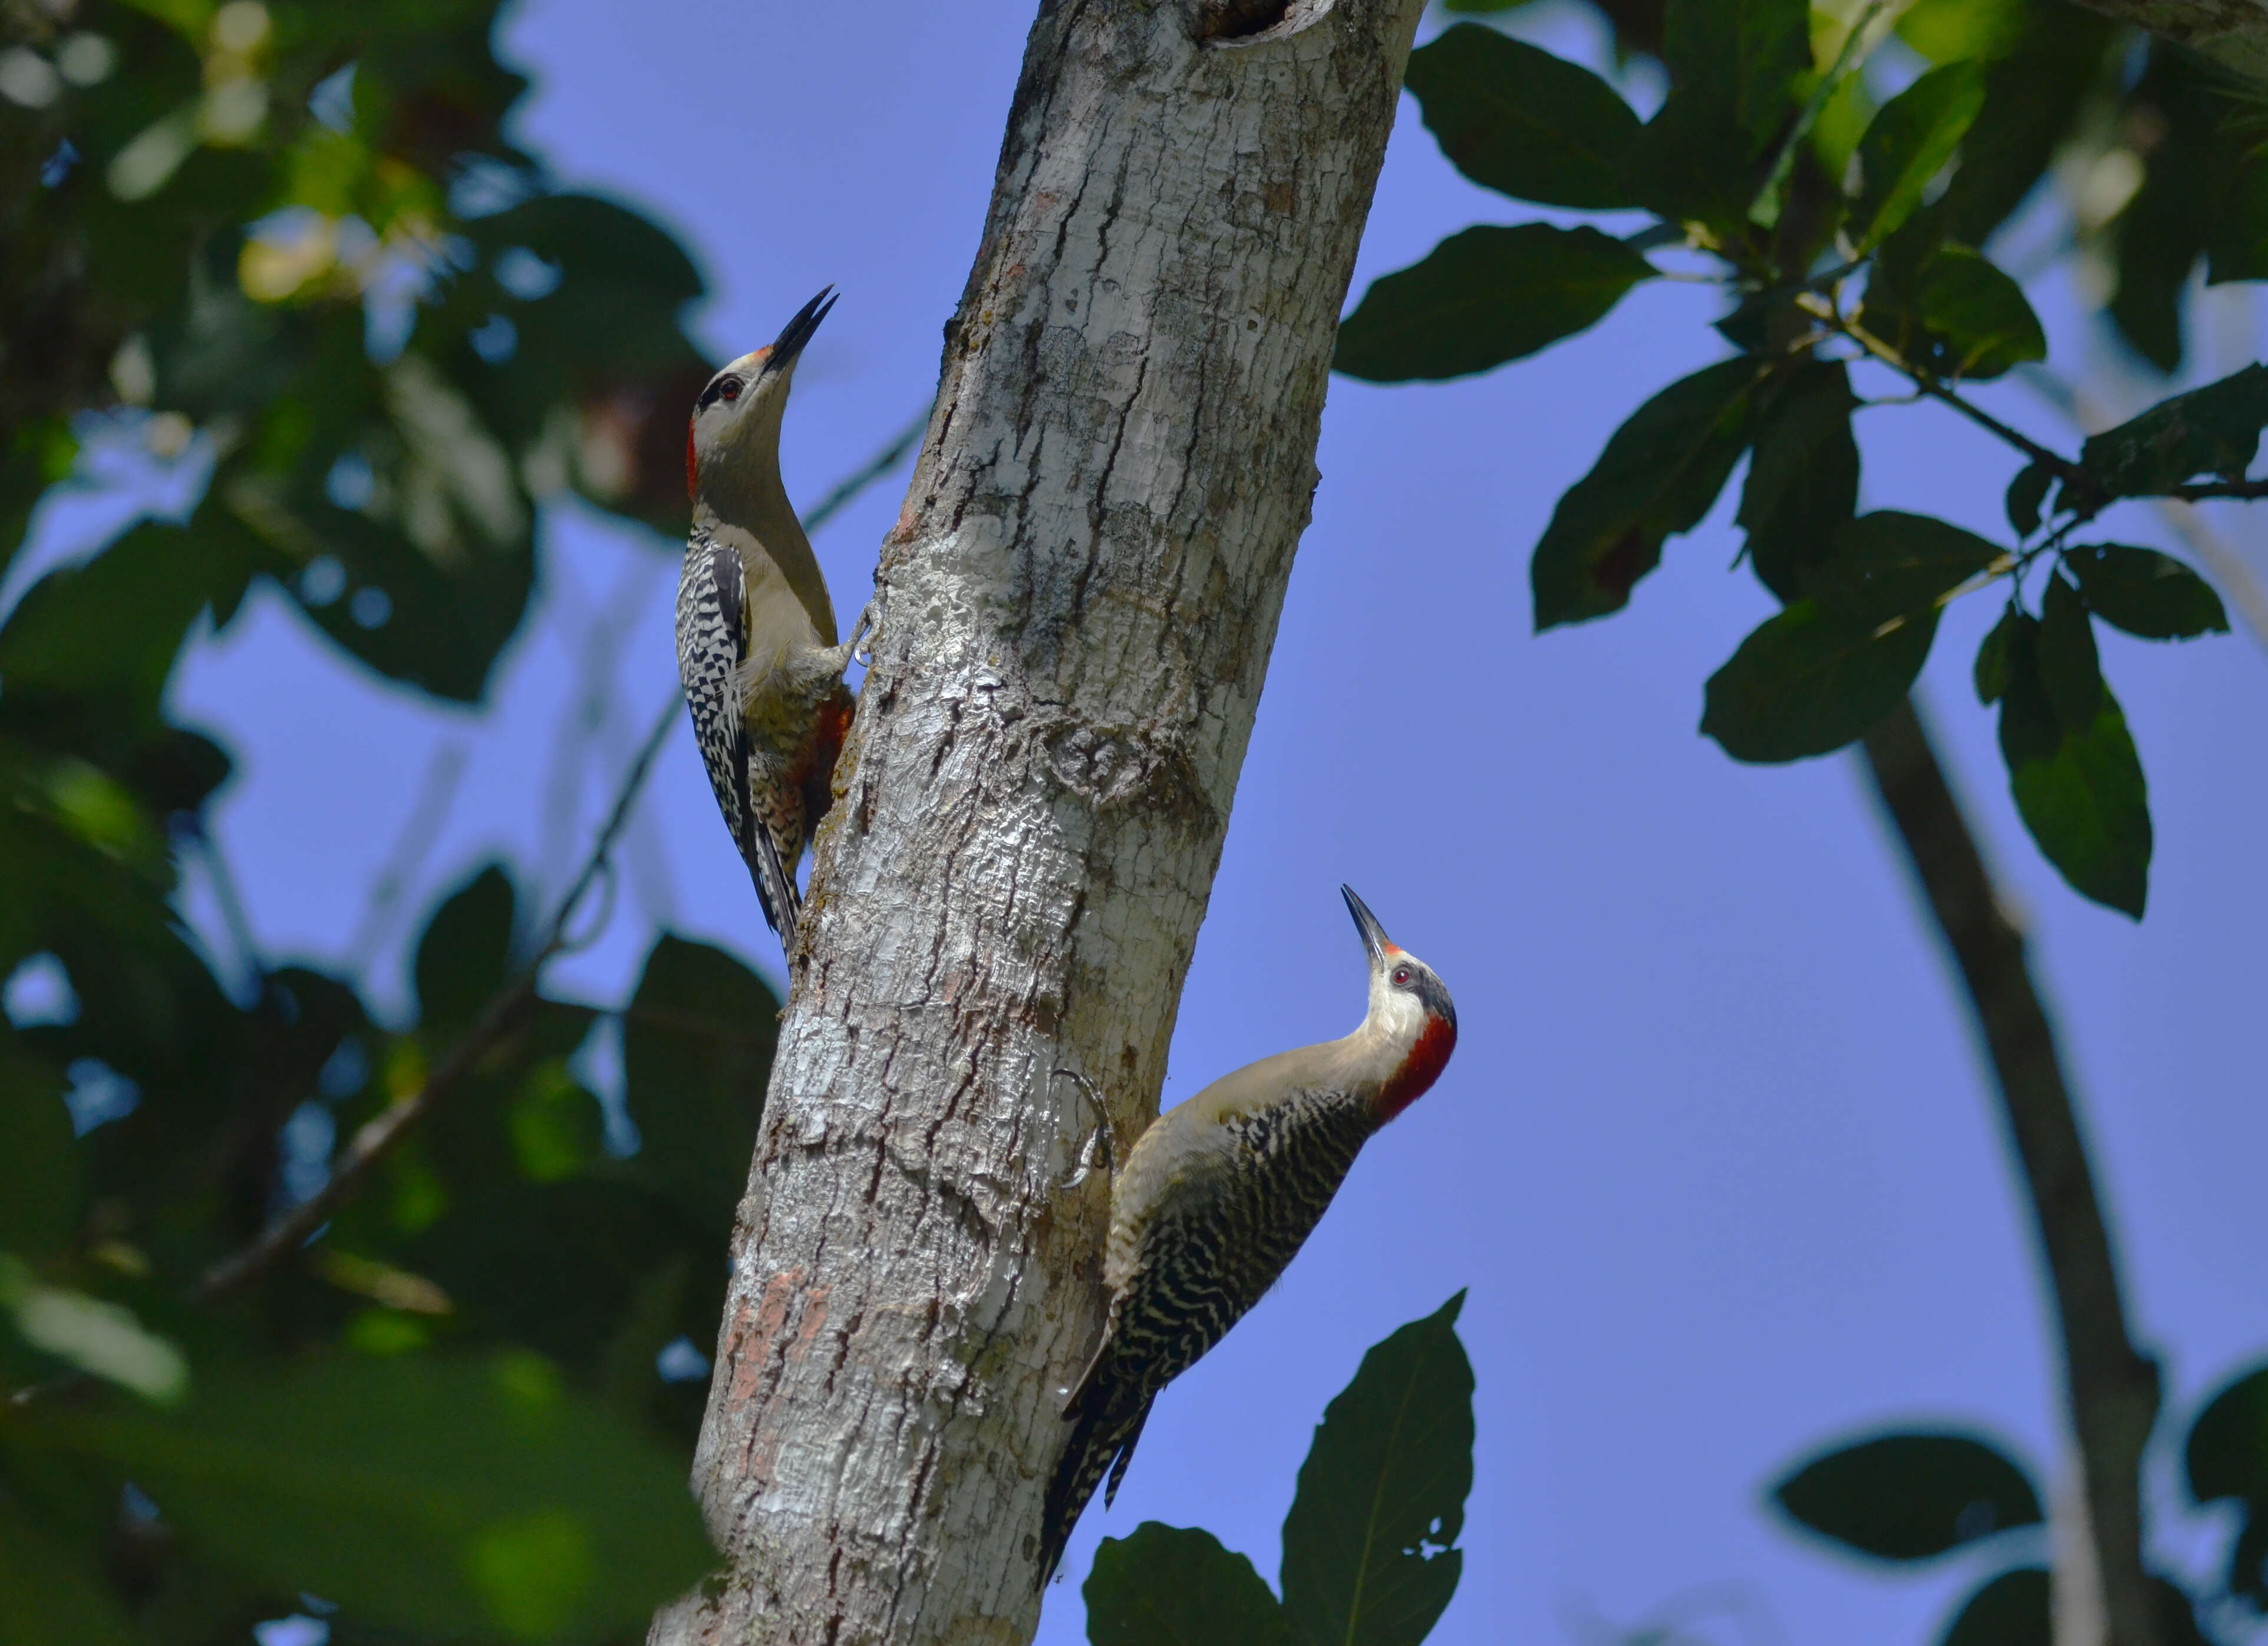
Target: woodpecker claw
1099 1141
864 630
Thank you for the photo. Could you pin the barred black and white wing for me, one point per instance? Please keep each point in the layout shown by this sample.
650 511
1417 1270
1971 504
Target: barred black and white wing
712 644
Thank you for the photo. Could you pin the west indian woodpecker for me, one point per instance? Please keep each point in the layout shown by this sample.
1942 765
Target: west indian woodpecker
755 632
1217 1196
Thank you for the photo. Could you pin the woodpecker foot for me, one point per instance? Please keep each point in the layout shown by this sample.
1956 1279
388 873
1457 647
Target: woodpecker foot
864 630
1100 1141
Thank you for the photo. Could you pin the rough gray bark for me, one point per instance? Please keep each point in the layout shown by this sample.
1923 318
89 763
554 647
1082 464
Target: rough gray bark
1082 592
2111 1389
2232 33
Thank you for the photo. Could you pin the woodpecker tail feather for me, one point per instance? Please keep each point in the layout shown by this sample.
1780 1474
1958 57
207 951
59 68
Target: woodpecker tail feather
776 891
1107 1420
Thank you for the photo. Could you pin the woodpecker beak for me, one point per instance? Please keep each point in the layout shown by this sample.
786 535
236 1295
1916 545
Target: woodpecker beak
1374 939
798 332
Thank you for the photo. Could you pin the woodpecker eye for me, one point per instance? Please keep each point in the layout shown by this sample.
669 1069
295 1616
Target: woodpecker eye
1402 976
730 389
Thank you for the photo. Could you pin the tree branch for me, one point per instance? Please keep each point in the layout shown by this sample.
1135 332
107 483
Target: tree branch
2232 33
2112 1390
378 1138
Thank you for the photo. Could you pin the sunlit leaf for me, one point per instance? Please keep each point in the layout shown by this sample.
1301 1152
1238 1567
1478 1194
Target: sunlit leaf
1482 296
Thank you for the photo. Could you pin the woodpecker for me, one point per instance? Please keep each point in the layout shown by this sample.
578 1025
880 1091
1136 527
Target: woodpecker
755 631
1215 1197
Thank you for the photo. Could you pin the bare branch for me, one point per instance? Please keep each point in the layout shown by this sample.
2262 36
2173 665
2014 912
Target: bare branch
2112 1390
379 1136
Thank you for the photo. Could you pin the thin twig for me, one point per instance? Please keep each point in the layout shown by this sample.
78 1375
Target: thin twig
2238 581
2111 1388
379 1136
2062 468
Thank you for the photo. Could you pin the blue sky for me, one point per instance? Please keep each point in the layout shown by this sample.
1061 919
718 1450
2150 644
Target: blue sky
1715 1157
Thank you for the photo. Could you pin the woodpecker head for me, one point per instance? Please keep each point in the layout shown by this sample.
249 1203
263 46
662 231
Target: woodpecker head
737 418
1411 1012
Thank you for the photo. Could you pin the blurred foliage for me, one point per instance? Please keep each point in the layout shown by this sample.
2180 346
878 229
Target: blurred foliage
1844 225
1369 1546
293 241
1916 1496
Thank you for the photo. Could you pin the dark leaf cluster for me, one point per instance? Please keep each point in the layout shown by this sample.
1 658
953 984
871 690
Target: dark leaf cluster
1914 1496
1843 232
1370 1555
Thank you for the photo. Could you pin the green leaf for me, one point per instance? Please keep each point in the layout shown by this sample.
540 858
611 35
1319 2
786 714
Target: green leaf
1909 142
2227 1454
2209 430
1909 1496
1960 316
2031 99
113 626
454 1498
2079 787
50 1593
1483 297
2144 592
2026 492
1177 1586
2189 173
1991 668
1889 565
96 1337
1659 474
2239 247
1803 478
39 1167
465 956
1514 118
1744 55
1809 681
1368 1548
1947 31
2071 671
2012 1610
697 1054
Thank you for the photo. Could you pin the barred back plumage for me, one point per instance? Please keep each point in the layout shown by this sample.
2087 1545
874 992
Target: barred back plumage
1225 1237
1218 1197
712 653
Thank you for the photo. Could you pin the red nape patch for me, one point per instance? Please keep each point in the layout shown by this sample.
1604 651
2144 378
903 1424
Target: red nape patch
1419 1070
692 463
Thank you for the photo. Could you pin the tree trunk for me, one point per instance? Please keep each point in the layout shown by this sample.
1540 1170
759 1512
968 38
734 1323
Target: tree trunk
2232 33
2111 1389
1081 596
